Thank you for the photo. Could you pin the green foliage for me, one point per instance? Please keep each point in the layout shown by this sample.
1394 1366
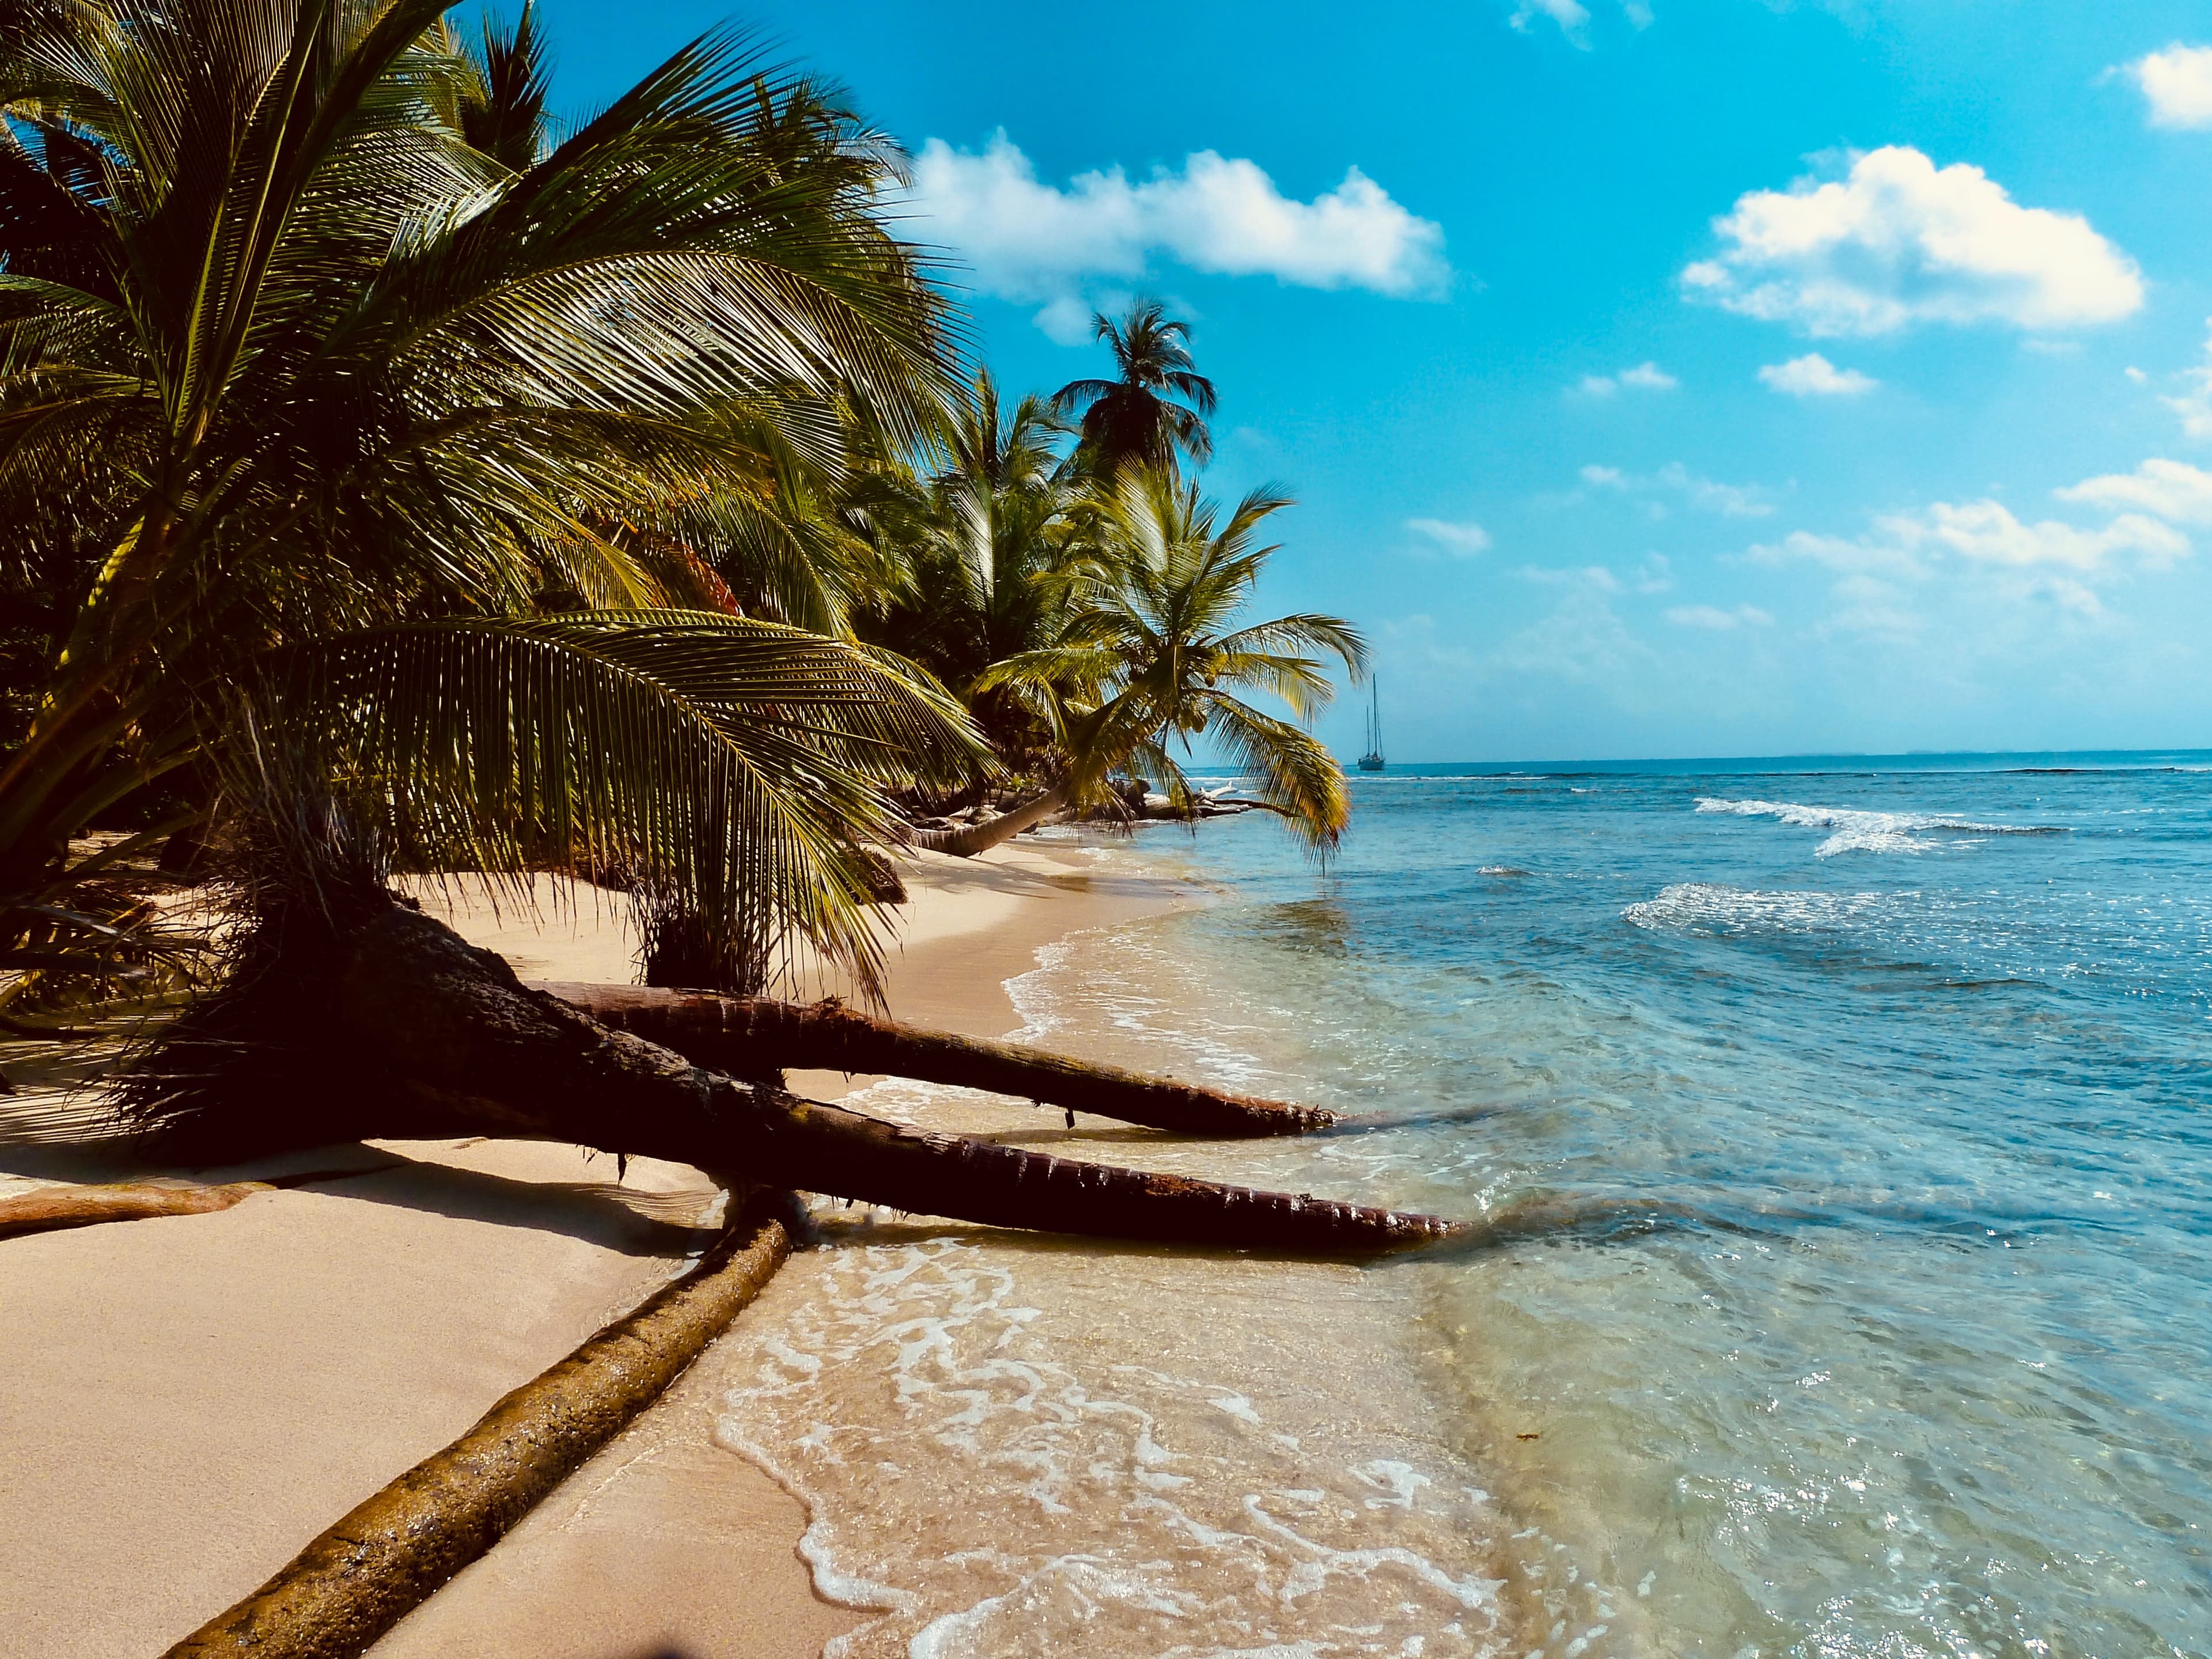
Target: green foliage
1155 407
1150 656
312 339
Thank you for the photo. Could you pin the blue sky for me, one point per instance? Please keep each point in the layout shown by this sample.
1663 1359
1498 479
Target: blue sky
1687 377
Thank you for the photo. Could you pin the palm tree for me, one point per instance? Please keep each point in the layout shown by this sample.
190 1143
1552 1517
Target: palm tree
350 418
987 539
1158 404
371 472
1151 657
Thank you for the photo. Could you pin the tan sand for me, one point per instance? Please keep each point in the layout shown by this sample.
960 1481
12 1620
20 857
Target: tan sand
184 1403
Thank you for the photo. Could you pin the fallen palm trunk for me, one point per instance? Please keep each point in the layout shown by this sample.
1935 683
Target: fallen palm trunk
967 842
751 1038
52 1208
55 1207
390 1554
489 1056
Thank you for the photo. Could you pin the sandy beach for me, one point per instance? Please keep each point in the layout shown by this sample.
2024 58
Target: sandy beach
187 1402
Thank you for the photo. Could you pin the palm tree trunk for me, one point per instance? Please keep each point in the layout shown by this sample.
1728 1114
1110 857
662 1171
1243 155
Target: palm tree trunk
477 1051
966 843
56 1207
392 1552
754 1036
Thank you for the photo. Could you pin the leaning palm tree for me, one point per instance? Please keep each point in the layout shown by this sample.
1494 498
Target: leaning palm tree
1157 403
1152 656
350 412
367 458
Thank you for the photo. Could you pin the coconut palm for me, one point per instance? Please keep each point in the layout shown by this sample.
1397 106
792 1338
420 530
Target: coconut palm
986 538
349 417
1151 655
1156 405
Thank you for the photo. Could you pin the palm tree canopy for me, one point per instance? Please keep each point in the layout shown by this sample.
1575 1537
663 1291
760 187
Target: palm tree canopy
989 538
1152 653
1158 404
309 334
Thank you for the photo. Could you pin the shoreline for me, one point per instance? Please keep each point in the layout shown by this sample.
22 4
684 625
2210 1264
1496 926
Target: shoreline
187 1401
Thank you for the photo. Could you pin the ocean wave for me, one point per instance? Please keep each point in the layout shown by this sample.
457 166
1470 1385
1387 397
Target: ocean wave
1857 830
1711 904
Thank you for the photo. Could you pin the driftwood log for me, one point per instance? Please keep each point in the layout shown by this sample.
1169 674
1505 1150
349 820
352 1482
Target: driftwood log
474 1051
754 1036
391 1552
54 1207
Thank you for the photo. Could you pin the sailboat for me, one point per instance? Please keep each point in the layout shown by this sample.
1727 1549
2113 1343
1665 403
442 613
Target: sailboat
1372 760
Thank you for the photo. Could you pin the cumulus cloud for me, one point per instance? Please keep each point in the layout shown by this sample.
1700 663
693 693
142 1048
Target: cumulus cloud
1814 376
2177 84
2172 490
1461 541
1986 533
1712 616
1644 377
1900 241
1029 240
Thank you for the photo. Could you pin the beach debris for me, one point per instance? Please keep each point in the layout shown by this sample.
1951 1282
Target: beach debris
392 1552
51 1208
752 1037
985 833
464 1045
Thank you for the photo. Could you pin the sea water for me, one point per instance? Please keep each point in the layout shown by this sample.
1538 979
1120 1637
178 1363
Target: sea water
1844 1131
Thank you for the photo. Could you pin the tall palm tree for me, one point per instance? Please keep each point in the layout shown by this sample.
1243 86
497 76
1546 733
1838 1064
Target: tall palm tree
1156 405
1152 656
341 431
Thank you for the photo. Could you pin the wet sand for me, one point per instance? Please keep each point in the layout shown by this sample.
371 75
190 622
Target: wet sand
184 1403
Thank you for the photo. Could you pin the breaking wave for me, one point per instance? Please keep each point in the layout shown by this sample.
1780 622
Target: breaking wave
1855 830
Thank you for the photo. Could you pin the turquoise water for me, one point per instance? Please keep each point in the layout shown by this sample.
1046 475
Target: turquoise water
1860 1109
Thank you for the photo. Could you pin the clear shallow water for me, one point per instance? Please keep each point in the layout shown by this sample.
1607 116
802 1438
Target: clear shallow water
1859 1114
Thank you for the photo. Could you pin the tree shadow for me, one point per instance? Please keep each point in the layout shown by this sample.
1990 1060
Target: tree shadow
63 1138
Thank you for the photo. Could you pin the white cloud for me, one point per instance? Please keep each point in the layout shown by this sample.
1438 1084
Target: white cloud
1729 501
1712 616
1595 577
1901 241
1571 17
2177 83
1461 541
1029 240
1912 546
1644 377
1654 574
2174 490
1986 532
2194 405
1814 376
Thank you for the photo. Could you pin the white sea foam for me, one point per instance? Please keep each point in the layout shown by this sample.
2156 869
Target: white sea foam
1120 1509
1855 830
